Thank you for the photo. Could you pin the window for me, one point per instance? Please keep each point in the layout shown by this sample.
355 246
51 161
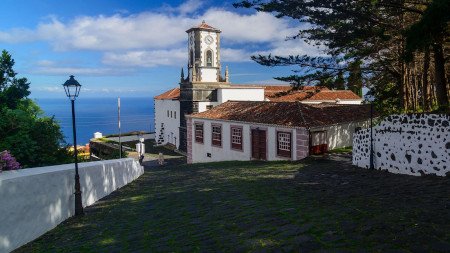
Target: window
236 138
209 58
175 115
216 135
191 58
209 107
284 144
199 132
168 115
171 114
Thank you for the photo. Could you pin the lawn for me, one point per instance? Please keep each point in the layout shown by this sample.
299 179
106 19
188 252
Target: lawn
255 206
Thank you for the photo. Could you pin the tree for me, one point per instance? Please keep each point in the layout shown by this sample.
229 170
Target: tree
34 140
339 83
372 32
354 80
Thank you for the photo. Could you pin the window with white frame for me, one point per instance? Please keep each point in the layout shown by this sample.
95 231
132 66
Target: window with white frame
236 138
284 144
216 132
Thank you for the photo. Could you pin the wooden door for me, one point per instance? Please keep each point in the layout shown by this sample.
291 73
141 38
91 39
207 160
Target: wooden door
259 144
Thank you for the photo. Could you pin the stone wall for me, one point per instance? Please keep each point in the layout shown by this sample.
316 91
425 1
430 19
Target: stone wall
34 201
412 144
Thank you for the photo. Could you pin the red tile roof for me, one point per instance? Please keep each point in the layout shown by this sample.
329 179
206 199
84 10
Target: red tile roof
173 94
204 26
335 94
290 114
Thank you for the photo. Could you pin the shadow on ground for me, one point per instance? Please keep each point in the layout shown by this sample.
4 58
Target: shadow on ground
317 205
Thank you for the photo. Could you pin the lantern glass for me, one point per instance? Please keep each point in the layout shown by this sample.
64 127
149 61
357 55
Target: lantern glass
72 88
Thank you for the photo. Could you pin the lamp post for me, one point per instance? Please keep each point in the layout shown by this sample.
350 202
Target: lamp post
72 88
371 157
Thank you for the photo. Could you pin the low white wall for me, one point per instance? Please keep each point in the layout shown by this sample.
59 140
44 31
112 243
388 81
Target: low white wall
407 144
34 201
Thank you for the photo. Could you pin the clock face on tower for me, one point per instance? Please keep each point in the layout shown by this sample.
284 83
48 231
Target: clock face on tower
209 39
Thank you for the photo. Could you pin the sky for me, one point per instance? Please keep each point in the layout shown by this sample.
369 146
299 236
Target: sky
135 47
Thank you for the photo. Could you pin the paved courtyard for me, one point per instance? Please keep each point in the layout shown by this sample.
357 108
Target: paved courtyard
317 205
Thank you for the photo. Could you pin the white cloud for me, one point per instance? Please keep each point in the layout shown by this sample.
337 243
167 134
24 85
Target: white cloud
150 39
150 30
146 58
55 70
189 6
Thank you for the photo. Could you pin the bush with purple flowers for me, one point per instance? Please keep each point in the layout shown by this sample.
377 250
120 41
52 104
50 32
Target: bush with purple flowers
8 162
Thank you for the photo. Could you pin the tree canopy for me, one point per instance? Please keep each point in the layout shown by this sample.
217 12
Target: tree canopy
33 139
399 49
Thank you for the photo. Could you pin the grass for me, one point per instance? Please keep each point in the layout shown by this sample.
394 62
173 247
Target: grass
257 206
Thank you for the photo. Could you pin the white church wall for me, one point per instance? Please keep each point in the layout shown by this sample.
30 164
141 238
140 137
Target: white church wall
202 106
407 144
167 113
240 94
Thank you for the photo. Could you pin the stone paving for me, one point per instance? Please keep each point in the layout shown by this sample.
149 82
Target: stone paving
319 205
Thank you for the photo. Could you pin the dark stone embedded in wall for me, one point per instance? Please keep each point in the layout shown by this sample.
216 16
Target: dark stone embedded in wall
378 154
393 157
419 160
433 154
408 157
447 145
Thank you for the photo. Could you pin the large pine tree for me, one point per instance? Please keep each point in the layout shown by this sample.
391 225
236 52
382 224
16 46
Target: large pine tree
374 34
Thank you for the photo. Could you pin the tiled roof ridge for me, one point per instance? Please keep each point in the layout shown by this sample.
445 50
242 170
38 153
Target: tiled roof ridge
300 109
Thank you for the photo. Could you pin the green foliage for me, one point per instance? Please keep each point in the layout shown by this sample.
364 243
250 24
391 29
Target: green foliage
355 82
365 42
431 28
33 139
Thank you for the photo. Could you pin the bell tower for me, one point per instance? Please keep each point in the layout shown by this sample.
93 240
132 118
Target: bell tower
203 76
204 53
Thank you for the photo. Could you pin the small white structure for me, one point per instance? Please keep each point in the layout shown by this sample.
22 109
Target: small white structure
35 200
259 130
411 144
98 135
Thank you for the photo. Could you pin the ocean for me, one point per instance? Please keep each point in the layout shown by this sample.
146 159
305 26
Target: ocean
99 115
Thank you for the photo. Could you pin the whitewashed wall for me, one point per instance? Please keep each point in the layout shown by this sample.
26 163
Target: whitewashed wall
171 124
225 153
34 201
240 94
407 144
202 105
341 135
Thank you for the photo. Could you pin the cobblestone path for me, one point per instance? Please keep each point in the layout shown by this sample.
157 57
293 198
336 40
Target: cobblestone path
315 206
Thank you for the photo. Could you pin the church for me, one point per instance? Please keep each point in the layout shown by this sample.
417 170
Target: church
203 87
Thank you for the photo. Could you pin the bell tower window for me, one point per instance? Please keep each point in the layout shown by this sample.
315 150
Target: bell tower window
209 58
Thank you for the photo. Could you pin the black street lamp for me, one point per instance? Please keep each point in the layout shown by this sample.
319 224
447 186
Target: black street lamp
72 88
371 157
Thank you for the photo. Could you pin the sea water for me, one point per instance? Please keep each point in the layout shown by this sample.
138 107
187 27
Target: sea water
99 115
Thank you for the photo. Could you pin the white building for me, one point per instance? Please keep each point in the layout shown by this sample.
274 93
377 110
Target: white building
271 131
204 88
